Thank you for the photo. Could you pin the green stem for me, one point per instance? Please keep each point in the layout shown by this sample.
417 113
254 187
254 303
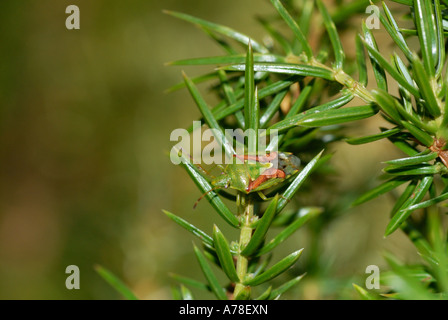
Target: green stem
347 81
242 262
357 88
340 76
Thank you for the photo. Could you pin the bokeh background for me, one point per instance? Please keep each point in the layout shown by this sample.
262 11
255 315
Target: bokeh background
84 137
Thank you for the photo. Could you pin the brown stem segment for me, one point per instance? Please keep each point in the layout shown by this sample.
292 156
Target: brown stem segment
437 147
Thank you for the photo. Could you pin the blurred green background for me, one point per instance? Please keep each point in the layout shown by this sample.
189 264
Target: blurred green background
85 124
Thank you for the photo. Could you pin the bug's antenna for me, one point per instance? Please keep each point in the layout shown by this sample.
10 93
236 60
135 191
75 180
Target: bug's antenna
203 170
211 168
197 201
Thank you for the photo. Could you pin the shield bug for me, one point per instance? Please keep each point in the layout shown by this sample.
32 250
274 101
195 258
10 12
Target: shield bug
254 173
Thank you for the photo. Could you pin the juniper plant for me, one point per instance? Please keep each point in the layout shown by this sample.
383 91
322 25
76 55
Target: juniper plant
301 86
280 98
416 114
251 98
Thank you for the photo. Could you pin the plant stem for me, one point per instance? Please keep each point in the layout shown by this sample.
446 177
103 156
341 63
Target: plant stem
245 236
358 89
339 76
347 81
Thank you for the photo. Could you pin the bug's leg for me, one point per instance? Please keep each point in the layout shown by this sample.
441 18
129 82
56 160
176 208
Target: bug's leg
204 171
262 196
200 198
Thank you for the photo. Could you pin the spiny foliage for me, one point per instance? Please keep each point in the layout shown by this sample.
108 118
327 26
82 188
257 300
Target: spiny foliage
416 113
301 84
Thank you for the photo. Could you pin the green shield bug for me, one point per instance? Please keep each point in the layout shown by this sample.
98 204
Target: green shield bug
255 173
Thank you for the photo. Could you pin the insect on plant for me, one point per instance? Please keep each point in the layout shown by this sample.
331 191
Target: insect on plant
305 117
254 173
